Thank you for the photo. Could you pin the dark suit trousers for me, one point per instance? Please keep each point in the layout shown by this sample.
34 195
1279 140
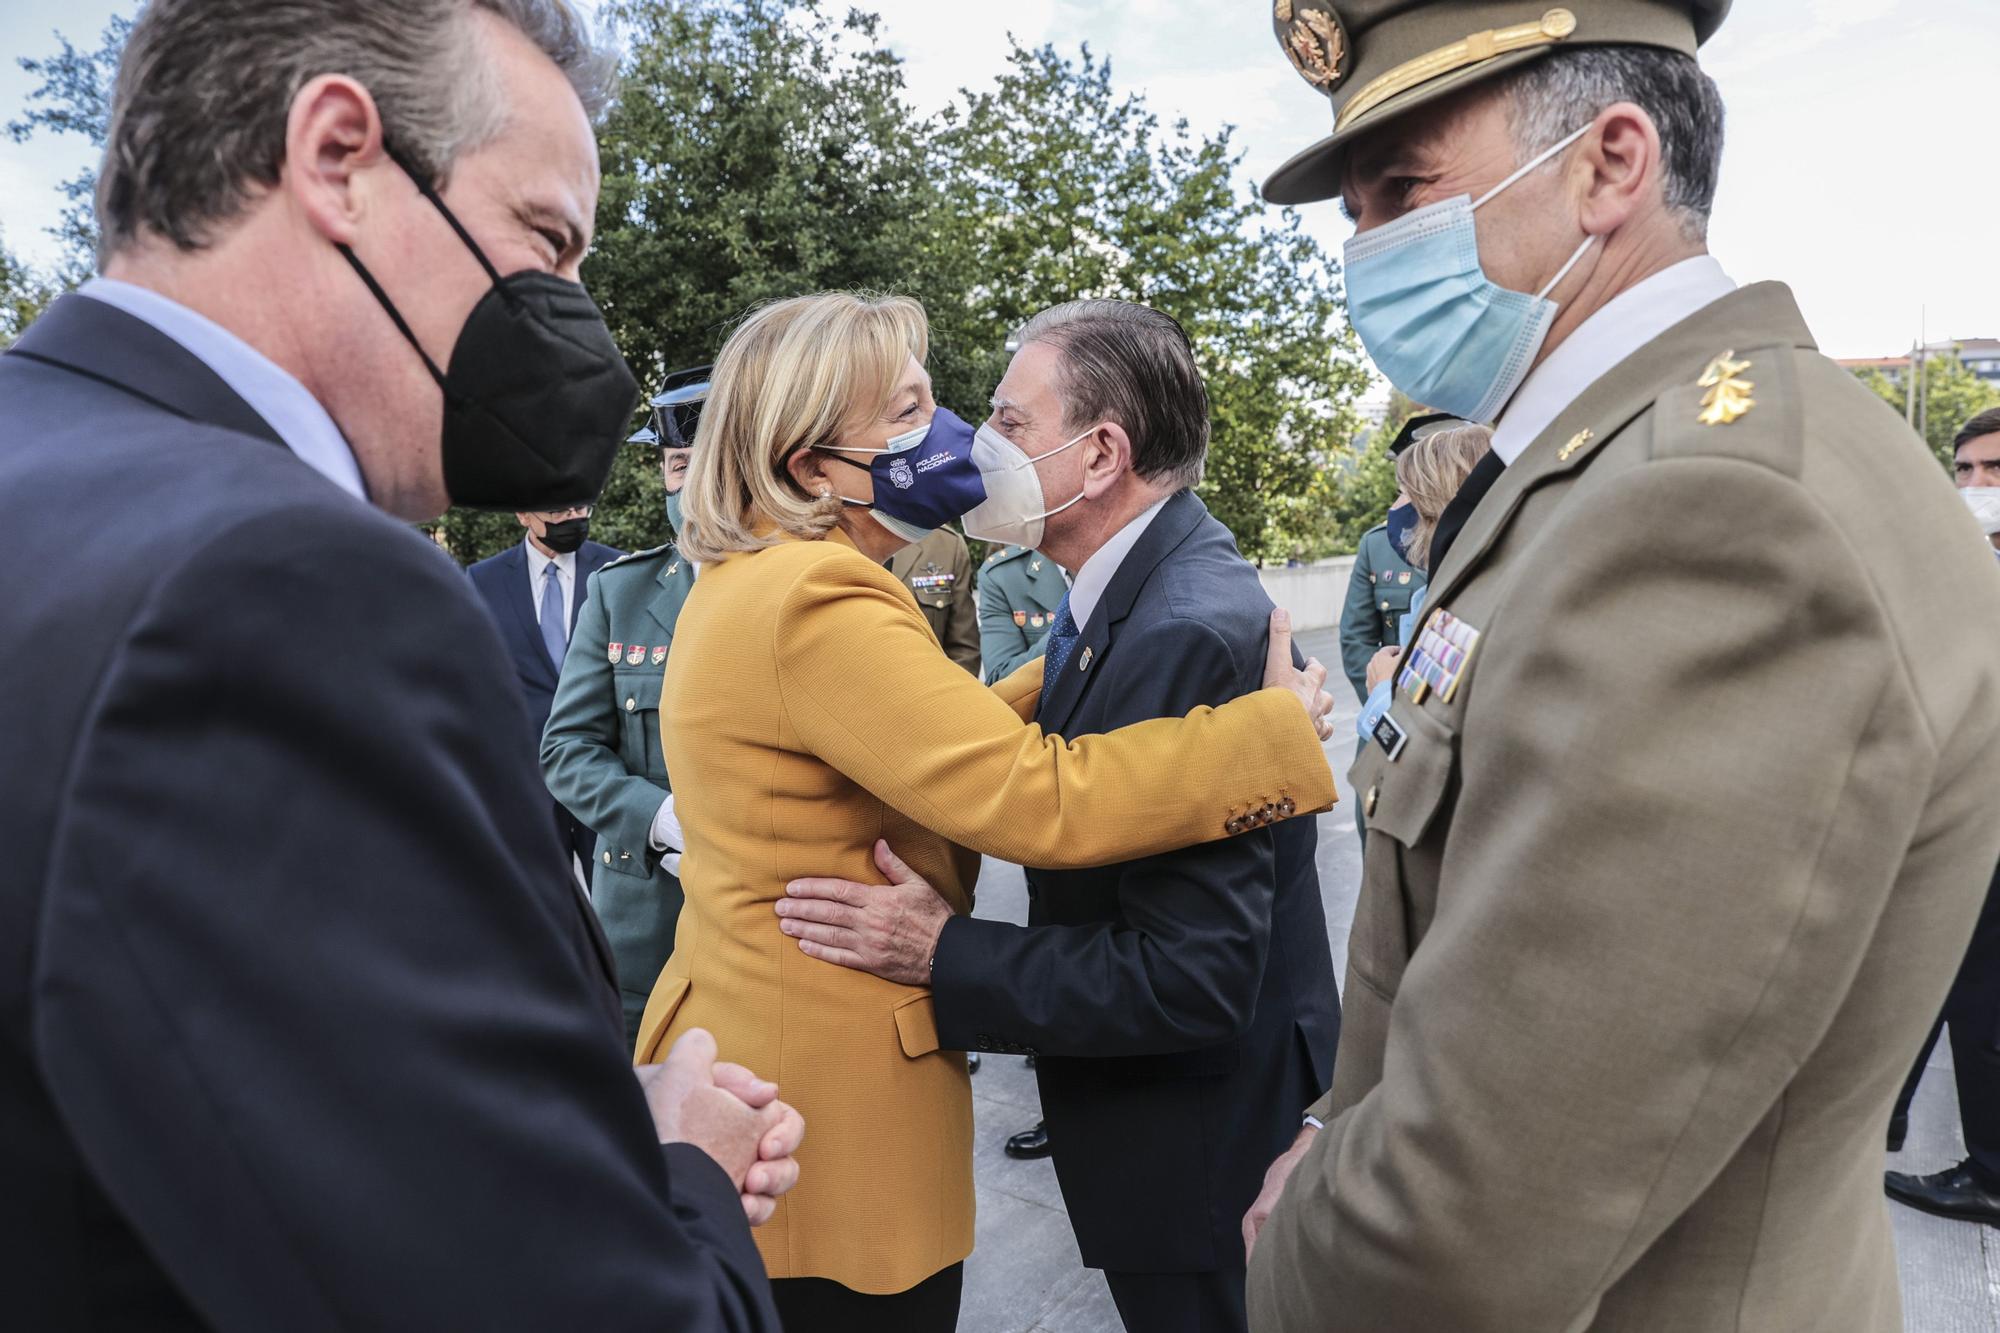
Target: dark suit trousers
1209 1302
1973 1011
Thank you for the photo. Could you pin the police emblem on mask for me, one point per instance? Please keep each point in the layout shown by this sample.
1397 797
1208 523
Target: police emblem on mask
899 472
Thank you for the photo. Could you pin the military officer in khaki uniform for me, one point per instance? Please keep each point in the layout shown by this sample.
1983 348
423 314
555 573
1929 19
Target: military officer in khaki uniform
1680 820
938 570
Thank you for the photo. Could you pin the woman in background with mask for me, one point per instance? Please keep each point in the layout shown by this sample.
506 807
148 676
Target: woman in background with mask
1429 473
809 713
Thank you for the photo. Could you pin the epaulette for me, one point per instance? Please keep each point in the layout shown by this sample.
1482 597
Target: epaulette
1003 554
633 557
1742 404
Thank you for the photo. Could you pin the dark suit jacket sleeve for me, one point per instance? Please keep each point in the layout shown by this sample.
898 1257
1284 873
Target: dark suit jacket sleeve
1184 970
312 992
1358 632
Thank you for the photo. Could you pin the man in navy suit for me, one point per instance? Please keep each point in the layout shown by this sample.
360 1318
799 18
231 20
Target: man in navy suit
1183 1007
303 1023
534 591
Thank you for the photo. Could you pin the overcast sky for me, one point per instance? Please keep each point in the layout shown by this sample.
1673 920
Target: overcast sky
1858 168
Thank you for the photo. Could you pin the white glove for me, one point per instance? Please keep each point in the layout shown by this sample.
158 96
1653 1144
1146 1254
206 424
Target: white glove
665 835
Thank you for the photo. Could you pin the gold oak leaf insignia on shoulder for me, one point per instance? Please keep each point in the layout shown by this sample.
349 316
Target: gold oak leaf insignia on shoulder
1728 395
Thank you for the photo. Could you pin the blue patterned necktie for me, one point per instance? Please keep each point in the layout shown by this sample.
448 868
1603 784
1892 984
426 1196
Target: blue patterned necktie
554 637
1061 643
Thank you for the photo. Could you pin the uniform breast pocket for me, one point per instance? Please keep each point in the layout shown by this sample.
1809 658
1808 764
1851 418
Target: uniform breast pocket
638 694
937 609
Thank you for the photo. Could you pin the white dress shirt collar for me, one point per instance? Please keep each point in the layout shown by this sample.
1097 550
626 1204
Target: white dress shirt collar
565 576
272 393
1086 590
1627 322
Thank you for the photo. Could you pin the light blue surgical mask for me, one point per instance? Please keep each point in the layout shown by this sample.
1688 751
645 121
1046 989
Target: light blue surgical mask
1433 322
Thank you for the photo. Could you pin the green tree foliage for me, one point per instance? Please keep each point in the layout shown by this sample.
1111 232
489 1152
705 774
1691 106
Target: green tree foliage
762 149
74 97
24 293
1949 395
1060 190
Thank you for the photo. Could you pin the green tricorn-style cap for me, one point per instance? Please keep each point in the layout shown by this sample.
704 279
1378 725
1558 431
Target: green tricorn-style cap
1377 59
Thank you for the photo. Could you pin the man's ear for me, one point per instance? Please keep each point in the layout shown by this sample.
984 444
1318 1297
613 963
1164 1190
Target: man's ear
1624 165
334 155
1107 456
525 520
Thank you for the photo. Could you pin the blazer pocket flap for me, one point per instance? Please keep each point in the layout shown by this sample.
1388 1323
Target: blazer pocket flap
1399 796
661 1007
916 1025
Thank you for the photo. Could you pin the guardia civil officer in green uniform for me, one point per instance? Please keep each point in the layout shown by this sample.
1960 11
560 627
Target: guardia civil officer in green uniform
1681 813
601 749
1383 582
1019 591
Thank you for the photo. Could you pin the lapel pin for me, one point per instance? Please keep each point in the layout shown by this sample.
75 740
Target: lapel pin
1576 442
1084 665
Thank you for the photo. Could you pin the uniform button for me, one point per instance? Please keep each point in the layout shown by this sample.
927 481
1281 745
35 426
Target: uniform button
1368 806
607 858
631 705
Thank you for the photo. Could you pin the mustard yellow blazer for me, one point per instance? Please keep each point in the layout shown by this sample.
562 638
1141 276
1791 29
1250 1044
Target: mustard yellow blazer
807 712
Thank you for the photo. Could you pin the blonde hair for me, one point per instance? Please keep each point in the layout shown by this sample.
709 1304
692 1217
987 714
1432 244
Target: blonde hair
1430 472
794 373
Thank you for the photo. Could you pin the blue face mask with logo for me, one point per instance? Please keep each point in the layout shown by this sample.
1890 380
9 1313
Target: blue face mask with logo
924 478
1442 331
1402 527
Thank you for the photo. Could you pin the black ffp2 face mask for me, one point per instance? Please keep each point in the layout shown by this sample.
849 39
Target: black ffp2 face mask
566 536
536 395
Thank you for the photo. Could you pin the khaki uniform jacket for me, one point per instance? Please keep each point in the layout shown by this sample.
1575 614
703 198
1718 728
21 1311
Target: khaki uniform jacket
1660 899
808 712
938 573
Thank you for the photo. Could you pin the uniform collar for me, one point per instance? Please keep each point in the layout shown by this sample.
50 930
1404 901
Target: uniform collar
1627 322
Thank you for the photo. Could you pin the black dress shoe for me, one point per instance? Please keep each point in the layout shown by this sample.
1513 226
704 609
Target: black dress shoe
1030 1143
1899 1130
1964 1191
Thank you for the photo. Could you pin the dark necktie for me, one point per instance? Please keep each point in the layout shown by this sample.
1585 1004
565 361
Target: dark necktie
1061 643
1453 520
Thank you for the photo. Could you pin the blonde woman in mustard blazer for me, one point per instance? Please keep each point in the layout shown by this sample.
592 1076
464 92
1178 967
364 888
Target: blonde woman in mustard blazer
808 711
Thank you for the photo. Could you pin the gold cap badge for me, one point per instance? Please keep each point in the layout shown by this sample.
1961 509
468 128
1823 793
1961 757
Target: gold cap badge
1314 42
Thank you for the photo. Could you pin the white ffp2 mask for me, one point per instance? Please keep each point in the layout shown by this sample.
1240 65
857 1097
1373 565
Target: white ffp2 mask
1012 513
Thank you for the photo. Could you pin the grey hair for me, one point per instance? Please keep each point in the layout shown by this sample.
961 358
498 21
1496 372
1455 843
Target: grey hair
1134 365
1551 97
204 89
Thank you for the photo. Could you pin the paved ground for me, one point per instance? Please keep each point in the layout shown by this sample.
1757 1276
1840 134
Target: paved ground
1025 1275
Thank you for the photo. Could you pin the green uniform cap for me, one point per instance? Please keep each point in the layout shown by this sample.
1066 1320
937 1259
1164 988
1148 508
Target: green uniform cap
1376 59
